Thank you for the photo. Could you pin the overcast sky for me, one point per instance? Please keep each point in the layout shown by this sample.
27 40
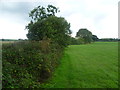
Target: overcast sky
98 16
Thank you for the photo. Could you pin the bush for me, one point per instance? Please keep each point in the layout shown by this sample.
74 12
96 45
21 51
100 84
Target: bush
27 64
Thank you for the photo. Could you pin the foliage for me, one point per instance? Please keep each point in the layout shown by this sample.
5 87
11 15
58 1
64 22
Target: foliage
81 40
55 28
8 39
45 24
108 40
95 38
41 12
74 41
84 34
27 64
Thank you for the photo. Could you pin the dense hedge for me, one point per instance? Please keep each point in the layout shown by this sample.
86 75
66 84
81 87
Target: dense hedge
28 64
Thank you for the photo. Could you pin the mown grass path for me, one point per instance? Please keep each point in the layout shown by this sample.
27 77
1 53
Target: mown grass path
88 66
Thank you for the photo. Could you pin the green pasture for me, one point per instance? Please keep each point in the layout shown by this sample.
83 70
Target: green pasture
87 66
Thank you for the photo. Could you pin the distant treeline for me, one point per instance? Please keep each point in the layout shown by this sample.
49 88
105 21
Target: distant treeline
109 39
102 39
12 39
78 41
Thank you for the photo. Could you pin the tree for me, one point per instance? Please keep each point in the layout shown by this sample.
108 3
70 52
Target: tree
84 34
41 12
20 39
3 39
95 38
47 25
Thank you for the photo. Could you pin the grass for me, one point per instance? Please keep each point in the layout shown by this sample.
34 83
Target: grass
87 66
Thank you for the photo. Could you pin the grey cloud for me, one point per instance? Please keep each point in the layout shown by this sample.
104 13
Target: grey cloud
18 9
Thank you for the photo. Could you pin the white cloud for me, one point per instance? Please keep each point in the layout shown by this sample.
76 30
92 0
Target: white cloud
12 30
79 21
98 16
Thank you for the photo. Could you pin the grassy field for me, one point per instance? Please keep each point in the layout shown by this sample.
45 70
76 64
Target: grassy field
87 66
3 42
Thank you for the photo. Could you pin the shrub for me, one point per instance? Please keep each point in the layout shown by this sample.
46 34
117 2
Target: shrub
27 64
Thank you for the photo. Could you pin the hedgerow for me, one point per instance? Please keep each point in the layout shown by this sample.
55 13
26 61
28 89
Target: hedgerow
27 64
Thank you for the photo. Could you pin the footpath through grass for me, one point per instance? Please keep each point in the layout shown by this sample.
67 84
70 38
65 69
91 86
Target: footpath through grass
87 66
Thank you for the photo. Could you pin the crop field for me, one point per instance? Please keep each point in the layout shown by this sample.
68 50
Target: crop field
3 42
87 66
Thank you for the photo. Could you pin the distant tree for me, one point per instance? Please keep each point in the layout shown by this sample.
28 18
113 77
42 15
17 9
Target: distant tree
47 25
109 39
85 35
73 41
3 39
20 39
25 39
95 38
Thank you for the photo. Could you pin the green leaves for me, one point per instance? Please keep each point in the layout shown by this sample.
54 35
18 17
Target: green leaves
55 28
26 64
84 34
41 12
45 24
